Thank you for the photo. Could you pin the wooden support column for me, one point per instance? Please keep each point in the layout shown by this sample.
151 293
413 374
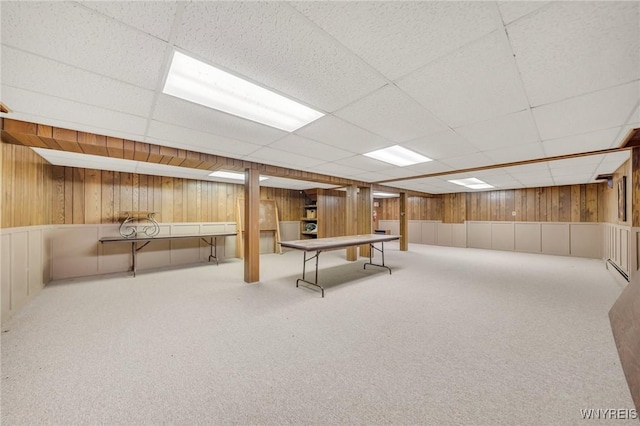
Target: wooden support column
365 216
351 225
251 225
404 222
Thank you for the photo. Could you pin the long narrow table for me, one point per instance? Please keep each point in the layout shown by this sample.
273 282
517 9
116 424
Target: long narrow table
146 240
319 245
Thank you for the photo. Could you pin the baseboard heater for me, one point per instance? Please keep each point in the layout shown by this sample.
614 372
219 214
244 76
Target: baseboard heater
623 273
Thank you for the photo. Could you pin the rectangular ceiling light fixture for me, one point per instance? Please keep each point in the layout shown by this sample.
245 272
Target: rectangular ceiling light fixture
472 183
197 82
385 195
232 175
398 156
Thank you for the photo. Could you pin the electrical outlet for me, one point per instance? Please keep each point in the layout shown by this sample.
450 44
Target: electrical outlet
513 213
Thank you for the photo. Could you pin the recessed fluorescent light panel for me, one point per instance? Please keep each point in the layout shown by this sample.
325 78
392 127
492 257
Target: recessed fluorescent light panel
385 195
231 175
472 183
398 156
197 82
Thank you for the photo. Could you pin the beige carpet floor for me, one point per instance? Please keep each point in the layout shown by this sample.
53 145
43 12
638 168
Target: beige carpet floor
453 336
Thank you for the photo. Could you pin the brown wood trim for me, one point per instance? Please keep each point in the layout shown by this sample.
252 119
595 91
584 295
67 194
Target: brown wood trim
35 135
503 165
632 139
3 108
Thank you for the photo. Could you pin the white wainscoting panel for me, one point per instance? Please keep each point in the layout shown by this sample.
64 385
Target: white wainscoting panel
586 241
25 266
479 235
527 237
555 238
502 236
617 247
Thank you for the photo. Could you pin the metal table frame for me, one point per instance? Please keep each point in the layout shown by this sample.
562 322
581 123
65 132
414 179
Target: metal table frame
319 245
213 249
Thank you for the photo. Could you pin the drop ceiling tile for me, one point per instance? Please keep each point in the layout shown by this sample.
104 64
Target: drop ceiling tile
184 138
515 153
333 131
583 47
371 176
582 170
176 111
273 45
363 163
527 168
512 10
441 145
392 114
277 157
617 157
478 82
593 141
574 179
467 161
434 166
37 74
152 17
534 182
310 148
399 37
340 170
586 161
106 46
35 107
594 111
511 130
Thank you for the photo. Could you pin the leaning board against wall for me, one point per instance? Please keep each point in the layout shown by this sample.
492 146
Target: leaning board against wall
269 222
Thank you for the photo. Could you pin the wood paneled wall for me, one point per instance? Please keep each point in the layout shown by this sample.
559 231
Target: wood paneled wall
36 193
420 208
610 196
331 213
569 203
25 182
454 208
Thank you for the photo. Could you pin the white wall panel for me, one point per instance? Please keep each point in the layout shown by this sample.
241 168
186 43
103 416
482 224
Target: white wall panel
429 232
528 237
586 240
502 236
444 234
555 238
479 235
5 275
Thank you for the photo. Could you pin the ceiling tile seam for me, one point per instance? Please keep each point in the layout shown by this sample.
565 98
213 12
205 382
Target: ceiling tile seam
320 31
352 124
389 81
68 100
43 120
52 59
114 19
587 93
177 21
508 47
504 36
530 14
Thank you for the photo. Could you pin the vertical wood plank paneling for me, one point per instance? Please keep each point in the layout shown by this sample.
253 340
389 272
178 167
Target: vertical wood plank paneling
57 210
107 182
92 196
564 203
